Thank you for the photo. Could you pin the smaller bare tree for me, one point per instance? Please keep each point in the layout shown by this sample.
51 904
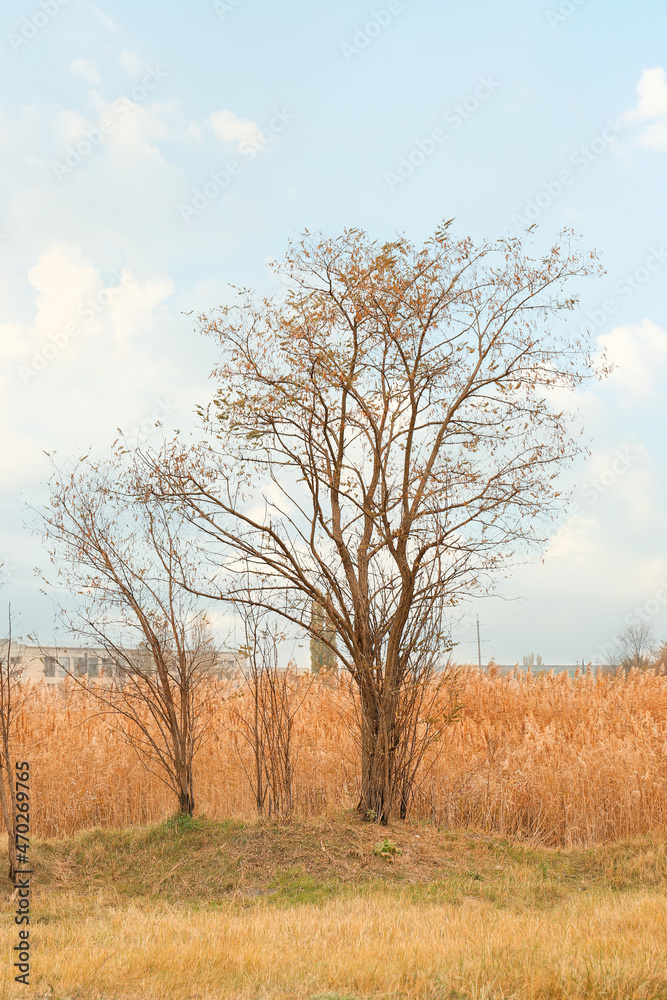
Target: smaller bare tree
428 708
661 654
124 560
635 647
266 724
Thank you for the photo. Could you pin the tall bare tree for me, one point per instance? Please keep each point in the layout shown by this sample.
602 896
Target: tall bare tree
122 560
385 435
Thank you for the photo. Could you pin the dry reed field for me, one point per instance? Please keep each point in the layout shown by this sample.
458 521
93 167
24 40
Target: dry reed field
551 759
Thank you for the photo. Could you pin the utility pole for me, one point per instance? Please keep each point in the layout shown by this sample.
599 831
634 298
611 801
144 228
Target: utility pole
479 648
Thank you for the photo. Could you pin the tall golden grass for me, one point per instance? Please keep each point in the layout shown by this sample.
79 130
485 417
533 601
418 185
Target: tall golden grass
552 759
375 945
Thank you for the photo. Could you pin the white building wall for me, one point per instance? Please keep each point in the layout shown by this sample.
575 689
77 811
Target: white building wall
51 664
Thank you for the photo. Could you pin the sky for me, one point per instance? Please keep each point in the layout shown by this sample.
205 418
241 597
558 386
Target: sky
154 154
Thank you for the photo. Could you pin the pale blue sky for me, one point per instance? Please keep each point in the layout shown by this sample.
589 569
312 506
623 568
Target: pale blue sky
335 97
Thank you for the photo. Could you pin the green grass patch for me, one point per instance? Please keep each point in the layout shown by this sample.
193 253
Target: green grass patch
202 862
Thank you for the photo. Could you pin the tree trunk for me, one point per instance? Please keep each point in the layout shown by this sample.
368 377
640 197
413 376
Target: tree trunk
377 755
186 803
186 799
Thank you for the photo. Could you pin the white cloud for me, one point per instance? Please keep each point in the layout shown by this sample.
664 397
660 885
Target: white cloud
654 137
72 293
573 541
604 555
86 69
638 351
62 278
66 242
68 126
652 94
121 203
229 128
620 482
69 389
651 108
135 308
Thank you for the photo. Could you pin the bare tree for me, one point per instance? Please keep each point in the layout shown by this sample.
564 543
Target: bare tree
661 654
635 646
266 723
122 560
385 436
427 707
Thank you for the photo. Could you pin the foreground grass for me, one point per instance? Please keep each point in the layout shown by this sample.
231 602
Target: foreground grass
328 909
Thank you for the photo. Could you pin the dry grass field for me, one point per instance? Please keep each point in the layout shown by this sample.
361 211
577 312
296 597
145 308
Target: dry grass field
548 759
325 908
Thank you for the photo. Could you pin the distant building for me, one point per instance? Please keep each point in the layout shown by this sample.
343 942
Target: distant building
53 664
